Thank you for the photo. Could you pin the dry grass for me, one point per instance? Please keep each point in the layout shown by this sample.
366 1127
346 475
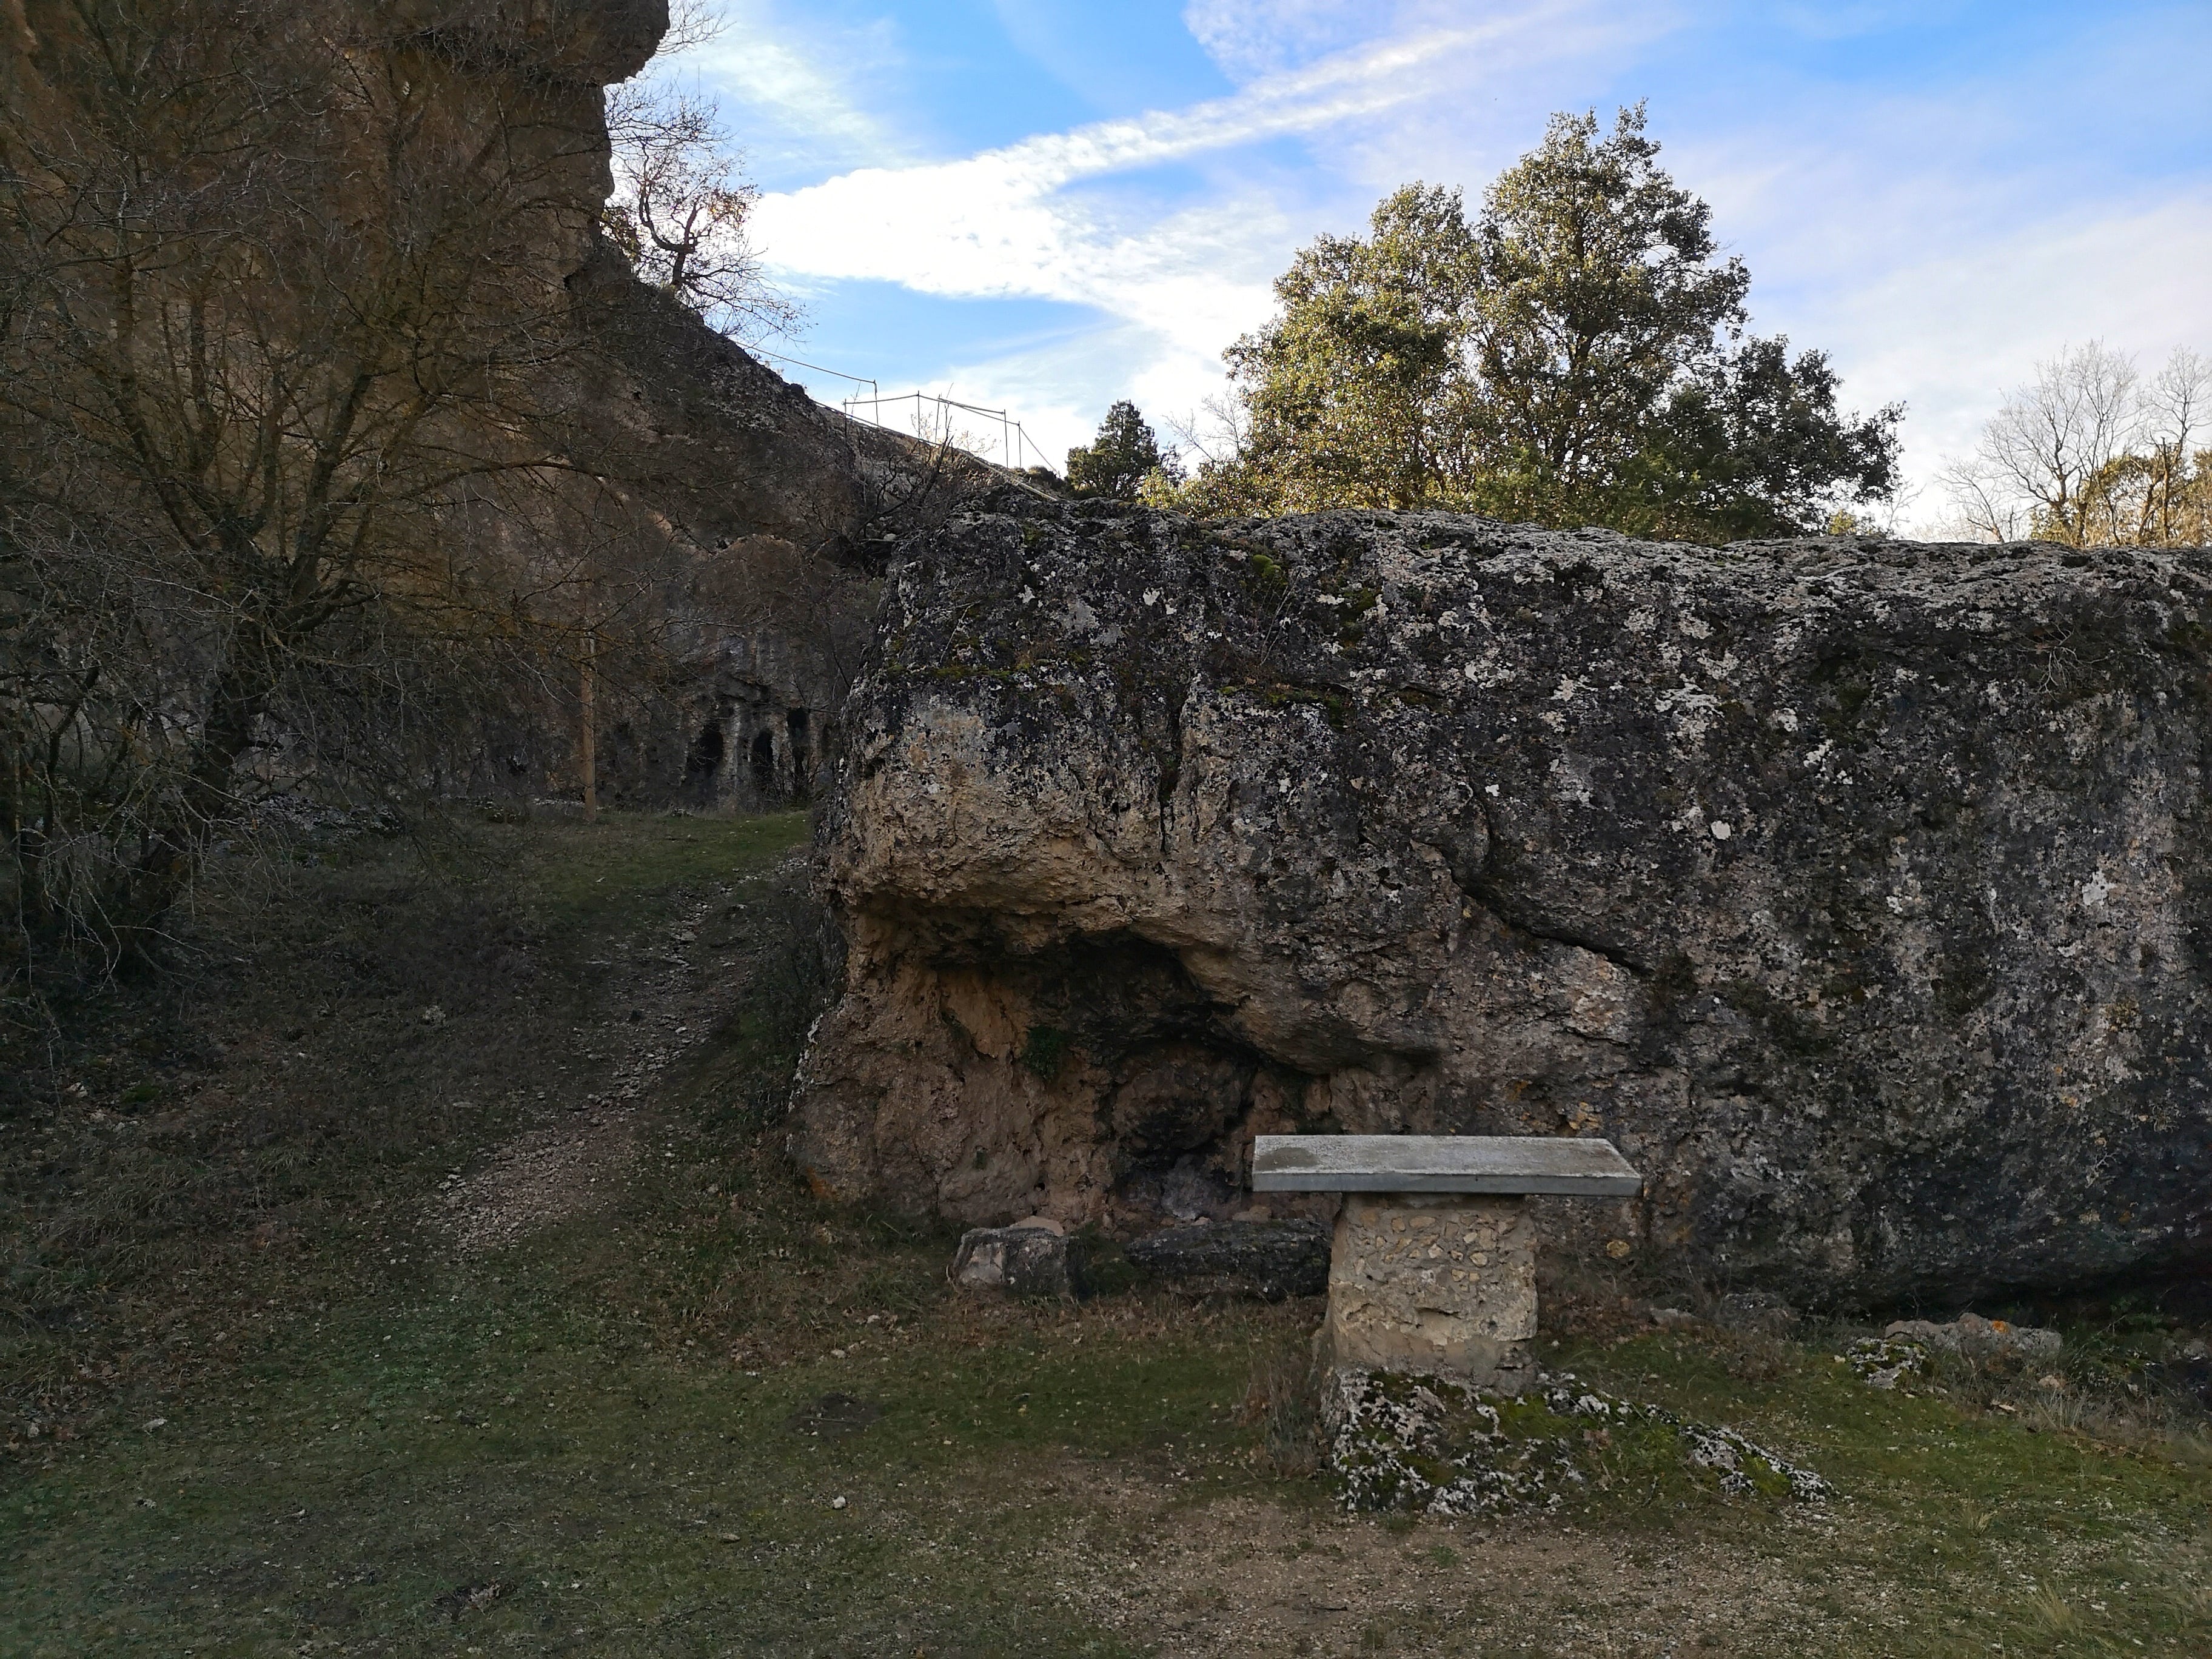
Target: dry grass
1282 1399
633 1417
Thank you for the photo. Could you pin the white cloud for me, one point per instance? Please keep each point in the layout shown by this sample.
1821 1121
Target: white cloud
1019 223
1005 222
1250 39
1955 330
1939 245
786 89
986 224
1265 37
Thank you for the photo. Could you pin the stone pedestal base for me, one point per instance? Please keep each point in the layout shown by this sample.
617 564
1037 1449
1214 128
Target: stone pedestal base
1443 1284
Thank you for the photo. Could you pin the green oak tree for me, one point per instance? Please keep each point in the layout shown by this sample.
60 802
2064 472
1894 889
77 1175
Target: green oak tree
1575 354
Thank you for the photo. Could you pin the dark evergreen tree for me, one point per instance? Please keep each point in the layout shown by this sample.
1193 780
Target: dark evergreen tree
1118 460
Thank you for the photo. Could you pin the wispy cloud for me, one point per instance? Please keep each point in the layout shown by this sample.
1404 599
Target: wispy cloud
1001 222
1027 220
790 87
1964 323
1937 231
1939 244
1252 40
1249 38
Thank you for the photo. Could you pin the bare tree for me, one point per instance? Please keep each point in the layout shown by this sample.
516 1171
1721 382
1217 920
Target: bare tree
2090 456
281 286
681 204
2176 491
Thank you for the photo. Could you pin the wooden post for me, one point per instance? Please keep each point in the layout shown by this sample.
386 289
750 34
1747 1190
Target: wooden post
590 698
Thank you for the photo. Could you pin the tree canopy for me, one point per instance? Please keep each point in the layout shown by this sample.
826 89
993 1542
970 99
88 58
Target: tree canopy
1574 353
1119 459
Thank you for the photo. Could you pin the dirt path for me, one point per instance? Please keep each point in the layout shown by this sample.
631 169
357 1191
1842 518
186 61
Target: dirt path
658 1004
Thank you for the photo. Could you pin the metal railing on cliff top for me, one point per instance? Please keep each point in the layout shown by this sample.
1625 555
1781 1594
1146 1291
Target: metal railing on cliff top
1015 445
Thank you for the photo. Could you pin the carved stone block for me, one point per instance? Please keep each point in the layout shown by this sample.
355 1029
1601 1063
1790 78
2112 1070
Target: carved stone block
1435 1284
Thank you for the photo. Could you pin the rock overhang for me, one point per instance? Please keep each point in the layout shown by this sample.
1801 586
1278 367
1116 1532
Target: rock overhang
1852 886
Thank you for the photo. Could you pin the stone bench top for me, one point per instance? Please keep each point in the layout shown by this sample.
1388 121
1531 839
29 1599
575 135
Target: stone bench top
1442 1163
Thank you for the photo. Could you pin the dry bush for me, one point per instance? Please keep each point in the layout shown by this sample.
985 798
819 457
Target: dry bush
1759 1357
2093 1388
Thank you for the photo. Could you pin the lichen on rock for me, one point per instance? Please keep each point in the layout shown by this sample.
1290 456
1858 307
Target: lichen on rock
1909 1347
1429 1445
1854 889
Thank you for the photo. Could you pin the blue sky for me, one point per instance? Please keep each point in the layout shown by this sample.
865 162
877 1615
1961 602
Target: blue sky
1050 205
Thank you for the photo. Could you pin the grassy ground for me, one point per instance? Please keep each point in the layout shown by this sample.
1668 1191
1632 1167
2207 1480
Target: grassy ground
428 1281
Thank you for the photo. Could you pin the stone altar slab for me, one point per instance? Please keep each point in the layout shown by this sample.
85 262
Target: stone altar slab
1515 1164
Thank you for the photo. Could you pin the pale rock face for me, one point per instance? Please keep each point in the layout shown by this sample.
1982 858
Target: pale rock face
1443 1286
1384 823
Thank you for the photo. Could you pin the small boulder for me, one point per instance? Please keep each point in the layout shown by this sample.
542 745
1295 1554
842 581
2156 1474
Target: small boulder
1429 1445
1976 1337
1271 1260
1882 1362
1029 1259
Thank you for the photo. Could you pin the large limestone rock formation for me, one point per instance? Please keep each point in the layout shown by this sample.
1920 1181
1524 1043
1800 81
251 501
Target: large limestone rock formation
1860 891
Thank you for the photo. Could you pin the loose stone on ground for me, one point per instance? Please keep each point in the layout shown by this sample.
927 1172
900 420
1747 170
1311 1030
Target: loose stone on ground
1907 1347
1029 1259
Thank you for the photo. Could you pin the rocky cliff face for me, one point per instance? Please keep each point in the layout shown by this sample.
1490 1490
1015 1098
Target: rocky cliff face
750 518
1860 891
765 517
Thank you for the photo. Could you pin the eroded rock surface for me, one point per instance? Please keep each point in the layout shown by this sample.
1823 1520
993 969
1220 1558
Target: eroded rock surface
1858 890
1027 1259
1434 1283
1442 1447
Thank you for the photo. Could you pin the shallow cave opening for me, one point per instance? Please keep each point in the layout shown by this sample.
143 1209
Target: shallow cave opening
706 756
763 759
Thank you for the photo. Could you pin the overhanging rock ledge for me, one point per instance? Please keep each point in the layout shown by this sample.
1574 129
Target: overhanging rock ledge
1860 891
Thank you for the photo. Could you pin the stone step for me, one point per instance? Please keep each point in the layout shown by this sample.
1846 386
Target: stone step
1572 1166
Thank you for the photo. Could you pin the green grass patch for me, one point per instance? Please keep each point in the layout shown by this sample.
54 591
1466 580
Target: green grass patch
627 1432
582 876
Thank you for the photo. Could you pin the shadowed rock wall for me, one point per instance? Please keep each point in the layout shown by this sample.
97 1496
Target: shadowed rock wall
1858 890
746 518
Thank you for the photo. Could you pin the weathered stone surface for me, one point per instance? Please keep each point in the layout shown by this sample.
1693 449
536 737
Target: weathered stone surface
1445 1448
1907 1347
1860 891
1025 1259
1268 1259
1434 1287
749 519
766 515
